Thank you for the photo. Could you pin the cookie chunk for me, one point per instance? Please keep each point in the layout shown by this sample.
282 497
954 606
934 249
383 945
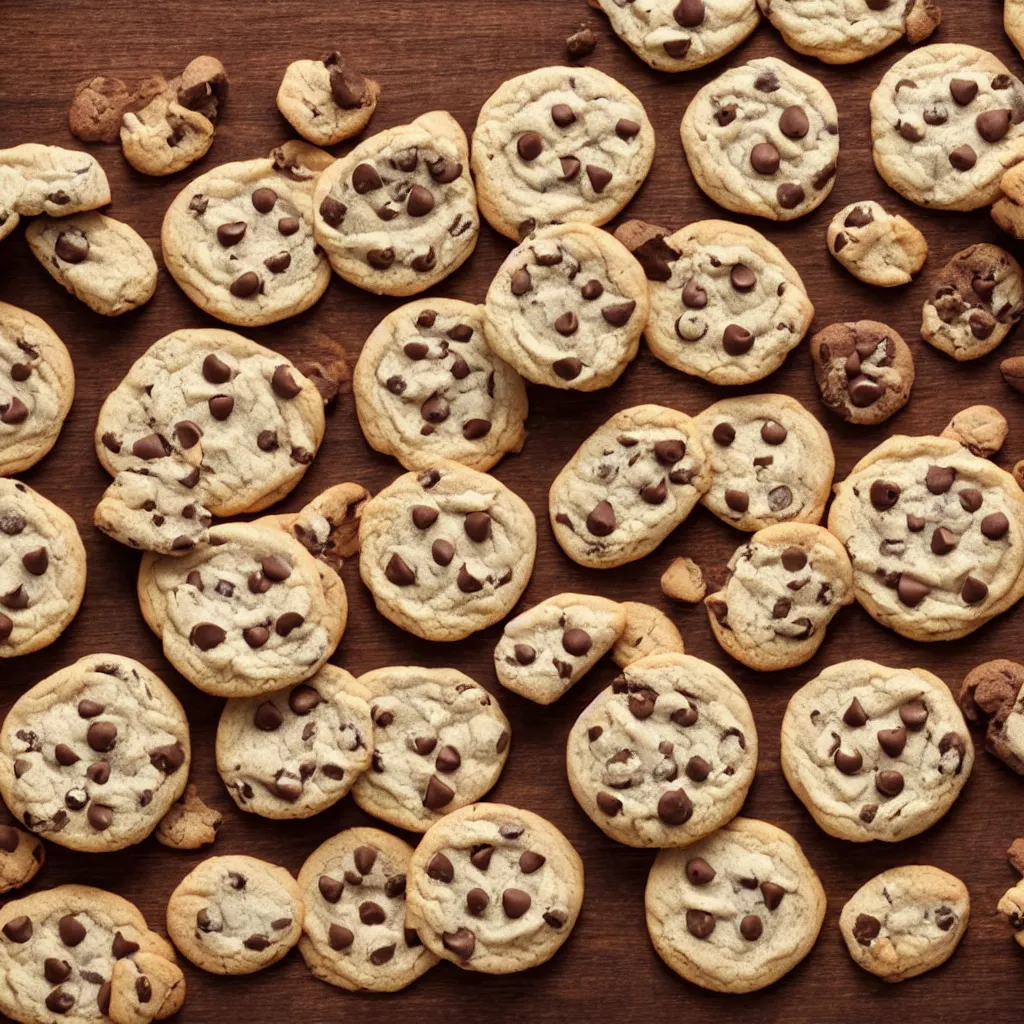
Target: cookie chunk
991 698
189 824
945 126
97 108
427 386
326 101
629 485
981 429
93 756
683 580
494 889
648 631
875 752
21 857
763 139
1008 210
440 742
398 213
667 716
446 551
737 910
877 247
934 534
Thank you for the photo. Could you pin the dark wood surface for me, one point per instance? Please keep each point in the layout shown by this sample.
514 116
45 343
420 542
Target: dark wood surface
452 54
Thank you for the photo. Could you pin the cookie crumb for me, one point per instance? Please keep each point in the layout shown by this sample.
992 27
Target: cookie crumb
1012 370
981 429
189 824
330 376
684 581
1015 854
581 43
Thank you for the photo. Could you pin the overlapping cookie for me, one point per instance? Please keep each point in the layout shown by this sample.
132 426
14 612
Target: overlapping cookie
648 631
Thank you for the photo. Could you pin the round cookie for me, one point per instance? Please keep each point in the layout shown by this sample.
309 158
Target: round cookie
944 126
864 370
875 752
326 101
990 697
771 461
93 756
981 429
784 587
763 139
629 485
42 570
737 910
494 889
877 247
905 921
398 213
37 386
567 308
648 631
667 716
440 742
446 551
21 857
294 753
428 386
354 934
935 534
37 179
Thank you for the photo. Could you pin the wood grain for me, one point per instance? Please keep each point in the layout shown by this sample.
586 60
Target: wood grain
452 54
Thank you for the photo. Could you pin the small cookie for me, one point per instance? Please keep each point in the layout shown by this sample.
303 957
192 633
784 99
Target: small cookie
93 756
21 857
944 126
991 698
354 934
1013 23
683 580
981 429
629 485
97 107
763 138
857 753
494 889
446 551
398 213
559 144
235 915
326 101
864 370
771 461
581 43
440 742
553 645
428 386
1008 210
189 824
1011 905
666 716
648 631
737 910
784 587
877 247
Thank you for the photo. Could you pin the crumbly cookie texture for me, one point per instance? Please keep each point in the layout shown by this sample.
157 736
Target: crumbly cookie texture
991 698
945 127
905 921
189 824
1008 209
648 631
763 139
1011 905
235 915
784 587
427 385
683 580
935 534
875 752
97 108
667 716
446 551
93 756
876 246
398 213
440 741
494 889
355 933
629 485
550 647
327 101
737 910
981 429
559 144
21 857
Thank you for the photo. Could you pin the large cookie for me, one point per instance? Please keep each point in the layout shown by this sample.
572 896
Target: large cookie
326 101
992 696
877 247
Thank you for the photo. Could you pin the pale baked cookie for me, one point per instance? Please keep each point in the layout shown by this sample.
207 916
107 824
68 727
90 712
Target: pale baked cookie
293 753
877 247
667 716
763 138
440 742
551 646
737 910
683 580
355 934
875 752
235 915
93 756
629 485
189 824
1011 905
784 587
559 144
935 534
981 429
42 570
21 857
398 213
905 921
1008 209
991 698
495 889
326 101
428 386
83 955
771 461
648 631
446 551
945 126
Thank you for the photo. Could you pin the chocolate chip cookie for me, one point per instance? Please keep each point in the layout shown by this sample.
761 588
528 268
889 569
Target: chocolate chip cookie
21 857
190 824
991 698
648 631
1011 905
1008 209
326 101
877 247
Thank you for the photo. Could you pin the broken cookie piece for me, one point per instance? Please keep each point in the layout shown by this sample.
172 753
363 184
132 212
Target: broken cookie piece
990 698
981 429
189 824
684 581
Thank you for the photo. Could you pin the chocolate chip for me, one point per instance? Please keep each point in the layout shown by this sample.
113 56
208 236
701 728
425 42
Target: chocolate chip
699 923
892 741
562 114
256 636
737 340
461 942
992 125
963 158
697 769
206 636
480 856
914 714
773 433
601 520
618 315
442 552
529 146
963 90
474 429
576 642
726 115
911 592
738 501
380 259
288 622
889 783
339 937
476 901
848 764
152 446
863 391
443 170
674 807
764 158
467 582
515 902
524 654
371 913
608 804
855 716
790 195
420 201
36 561
751 927
102 736
724 434
794 559
973 591
599 177
866 928
72 246
448 760
567 324
246 286
626 129
884 494
521 282
231 234
18 929
943 541
568 368
365 179
264 199
995 526
437 794
332 211
677 48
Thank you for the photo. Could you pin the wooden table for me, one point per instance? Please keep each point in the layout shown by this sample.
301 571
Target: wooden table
452 54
